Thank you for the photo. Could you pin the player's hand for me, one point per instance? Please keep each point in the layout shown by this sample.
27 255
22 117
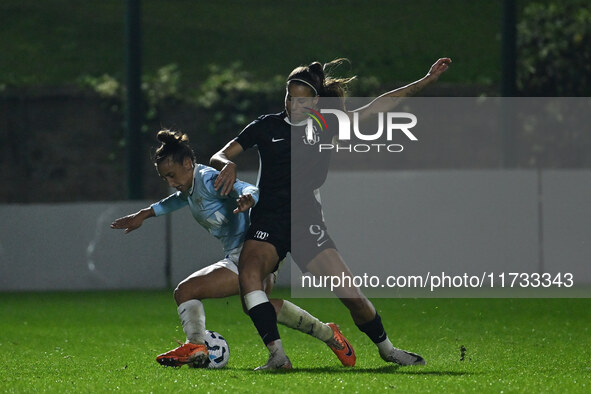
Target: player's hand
439 67
226 178
129 222
244 202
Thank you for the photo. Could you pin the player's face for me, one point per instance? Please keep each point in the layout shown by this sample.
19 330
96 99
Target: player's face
177 175
297 98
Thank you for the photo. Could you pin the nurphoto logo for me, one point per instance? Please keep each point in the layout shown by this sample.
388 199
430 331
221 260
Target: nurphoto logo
395 123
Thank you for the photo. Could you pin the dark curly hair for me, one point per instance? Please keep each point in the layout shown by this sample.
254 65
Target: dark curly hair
174 145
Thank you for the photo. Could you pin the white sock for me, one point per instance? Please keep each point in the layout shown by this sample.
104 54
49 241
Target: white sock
295 317
276 349
385 347
255 298
192 317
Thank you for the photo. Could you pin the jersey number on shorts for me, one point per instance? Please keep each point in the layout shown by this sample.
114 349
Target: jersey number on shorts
317 230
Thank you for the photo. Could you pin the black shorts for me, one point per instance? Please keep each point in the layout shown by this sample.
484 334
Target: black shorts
309 238
305 238
272 228
309 235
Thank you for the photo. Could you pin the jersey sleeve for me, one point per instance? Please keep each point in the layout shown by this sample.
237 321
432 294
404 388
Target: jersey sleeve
241 187
209 176
249 135
169 204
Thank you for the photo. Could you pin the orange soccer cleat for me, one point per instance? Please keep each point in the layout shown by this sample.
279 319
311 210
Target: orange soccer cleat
341 347
187 353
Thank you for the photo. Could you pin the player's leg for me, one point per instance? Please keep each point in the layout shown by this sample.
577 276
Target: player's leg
310 239
269 283
257 260
218 280
329 262
292 316
215 281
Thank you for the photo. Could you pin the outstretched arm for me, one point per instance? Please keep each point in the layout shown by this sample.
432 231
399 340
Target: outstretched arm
222 161
389 100
133 221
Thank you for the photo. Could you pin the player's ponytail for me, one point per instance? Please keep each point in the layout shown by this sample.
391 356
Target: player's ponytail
316 71
335 87
174 145
317 77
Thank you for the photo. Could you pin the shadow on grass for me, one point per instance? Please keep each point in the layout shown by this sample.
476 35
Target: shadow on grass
388 369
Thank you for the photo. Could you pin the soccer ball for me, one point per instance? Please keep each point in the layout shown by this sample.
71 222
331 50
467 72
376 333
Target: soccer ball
218 349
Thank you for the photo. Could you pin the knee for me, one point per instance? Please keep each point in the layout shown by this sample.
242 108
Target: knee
254 266
249 279
249 275
179 294
183 292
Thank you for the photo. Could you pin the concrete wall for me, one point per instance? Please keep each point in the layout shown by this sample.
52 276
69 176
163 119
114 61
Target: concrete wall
71 247
567 222
452 221
462 221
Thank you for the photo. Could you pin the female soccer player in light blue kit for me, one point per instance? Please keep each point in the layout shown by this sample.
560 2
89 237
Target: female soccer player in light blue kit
226 218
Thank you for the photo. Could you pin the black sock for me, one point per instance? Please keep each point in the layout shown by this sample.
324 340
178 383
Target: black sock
374 329
265 320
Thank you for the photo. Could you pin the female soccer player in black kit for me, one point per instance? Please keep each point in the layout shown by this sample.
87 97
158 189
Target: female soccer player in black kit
269 237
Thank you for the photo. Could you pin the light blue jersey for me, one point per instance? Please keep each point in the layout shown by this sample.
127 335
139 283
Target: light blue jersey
213 211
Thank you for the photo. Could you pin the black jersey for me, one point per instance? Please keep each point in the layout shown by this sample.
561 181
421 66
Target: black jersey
292 168
271 135
309 163
276 140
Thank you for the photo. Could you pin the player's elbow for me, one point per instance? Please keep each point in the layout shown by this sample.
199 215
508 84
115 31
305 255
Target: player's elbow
213 160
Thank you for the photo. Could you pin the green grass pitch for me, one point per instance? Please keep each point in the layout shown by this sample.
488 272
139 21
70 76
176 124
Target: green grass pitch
107 341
